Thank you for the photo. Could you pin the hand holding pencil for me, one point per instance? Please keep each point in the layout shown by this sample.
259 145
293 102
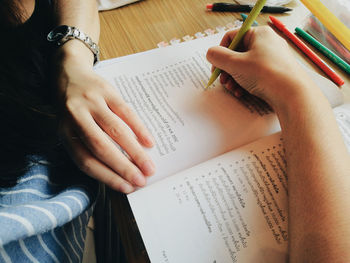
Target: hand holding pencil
264 67
238 37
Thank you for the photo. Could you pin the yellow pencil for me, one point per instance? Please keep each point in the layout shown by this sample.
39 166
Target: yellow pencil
237 39
330 21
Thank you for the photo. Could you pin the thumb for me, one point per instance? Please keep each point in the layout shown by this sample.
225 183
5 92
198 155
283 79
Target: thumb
226 59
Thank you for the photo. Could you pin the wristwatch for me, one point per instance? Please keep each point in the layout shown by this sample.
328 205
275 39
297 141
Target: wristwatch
64 33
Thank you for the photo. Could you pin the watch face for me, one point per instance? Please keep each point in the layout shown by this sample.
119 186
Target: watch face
58 33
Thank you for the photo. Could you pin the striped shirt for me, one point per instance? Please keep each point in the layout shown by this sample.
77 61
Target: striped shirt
43 221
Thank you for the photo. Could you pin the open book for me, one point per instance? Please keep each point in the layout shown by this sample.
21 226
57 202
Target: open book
220 190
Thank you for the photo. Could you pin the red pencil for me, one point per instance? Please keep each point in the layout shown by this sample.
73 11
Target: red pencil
308 52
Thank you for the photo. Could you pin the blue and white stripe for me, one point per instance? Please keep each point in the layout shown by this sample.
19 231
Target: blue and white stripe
42 221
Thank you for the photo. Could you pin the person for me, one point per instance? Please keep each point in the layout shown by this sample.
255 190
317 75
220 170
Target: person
54 108
87 106
318 163
45 202
94 110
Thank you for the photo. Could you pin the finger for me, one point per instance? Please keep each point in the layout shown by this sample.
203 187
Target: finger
119 107
224 77
234 87
227 39
231 85
102 147
118 131
226 59
248 39
239 92
245 44
93 167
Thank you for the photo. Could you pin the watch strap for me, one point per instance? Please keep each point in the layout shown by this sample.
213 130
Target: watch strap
75 33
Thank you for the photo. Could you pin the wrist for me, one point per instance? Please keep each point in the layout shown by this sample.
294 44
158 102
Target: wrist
302 100
74 52
62 34
288 87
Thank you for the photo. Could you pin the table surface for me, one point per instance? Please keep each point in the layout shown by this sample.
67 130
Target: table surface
139 27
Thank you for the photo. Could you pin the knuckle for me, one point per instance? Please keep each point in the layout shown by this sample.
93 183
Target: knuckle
126 110
115 132
98 147
90 95
72 105
103 86
106 118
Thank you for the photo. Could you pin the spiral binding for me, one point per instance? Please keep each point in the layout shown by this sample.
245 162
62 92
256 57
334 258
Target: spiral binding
207 32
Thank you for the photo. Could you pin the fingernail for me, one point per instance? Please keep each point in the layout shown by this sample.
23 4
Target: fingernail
139 180
147 139
126 188
150 138
148 168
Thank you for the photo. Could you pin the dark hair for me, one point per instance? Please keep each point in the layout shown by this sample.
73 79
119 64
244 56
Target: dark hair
28 115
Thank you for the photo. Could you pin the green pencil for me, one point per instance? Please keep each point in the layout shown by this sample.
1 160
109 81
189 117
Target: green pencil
324 50
237 39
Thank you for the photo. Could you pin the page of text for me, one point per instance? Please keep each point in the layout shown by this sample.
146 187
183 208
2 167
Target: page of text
190 125
230 209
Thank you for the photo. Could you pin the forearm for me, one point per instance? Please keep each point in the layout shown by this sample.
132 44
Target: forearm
82 14
319 179
318 163
79 13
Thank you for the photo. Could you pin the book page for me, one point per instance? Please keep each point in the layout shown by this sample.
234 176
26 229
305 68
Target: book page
190 125
232 208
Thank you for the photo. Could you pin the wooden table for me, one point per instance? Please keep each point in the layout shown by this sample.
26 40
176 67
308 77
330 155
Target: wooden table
139 27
